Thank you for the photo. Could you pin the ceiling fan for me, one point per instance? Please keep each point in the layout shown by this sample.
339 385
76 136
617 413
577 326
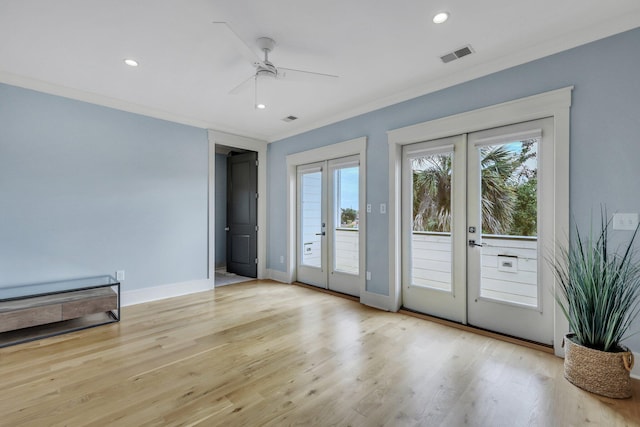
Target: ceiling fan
264 67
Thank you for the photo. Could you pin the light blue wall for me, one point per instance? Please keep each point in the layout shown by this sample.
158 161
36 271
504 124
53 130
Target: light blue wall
605 137
221 210
88 190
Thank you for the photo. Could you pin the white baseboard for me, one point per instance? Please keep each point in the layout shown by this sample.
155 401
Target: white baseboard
278 276
154 293
635 372
382 302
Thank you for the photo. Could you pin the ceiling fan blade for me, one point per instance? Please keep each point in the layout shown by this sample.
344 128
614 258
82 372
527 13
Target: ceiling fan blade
242 86
243 48
292 73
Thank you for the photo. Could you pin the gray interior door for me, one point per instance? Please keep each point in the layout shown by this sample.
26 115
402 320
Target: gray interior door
242 214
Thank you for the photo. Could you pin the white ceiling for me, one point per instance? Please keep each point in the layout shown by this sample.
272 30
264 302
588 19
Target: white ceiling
383 51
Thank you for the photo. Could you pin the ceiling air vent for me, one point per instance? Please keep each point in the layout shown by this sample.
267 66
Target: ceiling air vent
289 119
457 54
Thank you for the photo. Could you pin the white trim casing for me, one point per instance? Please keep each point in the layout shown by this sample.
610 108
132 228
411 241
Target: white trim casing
357 146
554 104
278 276
395 224
237 141
381 302
211 211
154 293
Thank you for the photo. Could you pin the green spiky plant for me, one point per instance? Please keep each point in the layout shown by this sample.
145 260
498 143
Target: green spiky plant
598 290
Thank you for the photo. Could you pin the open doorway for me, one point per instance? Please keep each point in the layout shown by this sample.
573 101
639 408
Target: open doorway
236 189
225 143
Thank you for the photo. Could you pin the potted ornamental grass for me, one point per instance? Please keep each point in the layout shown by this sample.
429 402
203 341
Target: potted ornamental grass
598 290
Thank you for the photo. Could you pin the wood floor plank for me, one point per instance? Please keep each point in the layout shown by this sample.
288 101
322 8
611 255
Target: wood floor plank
264 353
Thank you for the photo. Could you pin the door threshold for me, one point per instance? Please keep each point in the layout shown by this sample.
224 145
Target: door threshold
327 291
484 332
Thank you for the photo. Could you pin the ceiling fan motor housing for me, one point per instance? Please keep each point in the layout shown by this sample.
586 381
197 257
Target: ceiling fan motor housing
267 70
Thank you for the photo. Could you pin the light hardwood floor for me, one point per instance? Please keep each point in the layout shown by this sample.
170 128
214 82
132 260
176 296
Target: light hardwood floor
263 353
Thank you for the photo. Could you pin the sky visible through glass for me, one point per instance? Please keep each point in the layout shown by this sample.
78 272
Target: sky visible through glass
349 188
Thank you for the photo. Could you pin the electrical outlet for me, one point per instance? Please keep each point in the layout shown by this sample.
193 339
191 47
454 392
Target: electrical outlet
368 207
120 275
368 275
625 221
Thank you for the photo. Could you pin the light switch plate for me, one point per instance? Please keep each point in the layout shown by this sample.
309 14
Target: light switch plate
383 208
625 221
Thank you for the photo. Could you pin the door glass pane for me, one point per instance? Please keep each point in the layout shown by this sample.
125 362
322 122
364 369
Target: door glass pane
431 226
346 218
311 219
509 198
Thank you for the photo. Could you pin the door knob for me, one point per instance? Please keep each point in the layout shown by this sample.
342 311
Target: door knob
320 234
473 243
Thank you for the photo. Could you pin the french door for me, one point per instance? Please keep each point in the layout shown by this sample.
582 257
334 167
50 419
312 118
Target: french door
328 237
477 216
434 246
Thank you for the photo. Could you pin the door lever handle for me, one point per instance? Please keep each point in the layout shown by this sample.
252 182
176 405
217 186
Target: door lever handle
320 234
473 243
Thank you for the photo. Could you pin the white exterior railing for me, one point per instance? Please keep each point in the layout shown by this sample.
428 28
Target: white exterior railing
509 265
346 250
510 269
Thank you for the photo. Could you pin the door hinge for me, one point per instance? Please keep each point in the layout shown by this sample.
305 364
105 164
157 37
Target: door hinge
256 260
257 195
256 163
257 228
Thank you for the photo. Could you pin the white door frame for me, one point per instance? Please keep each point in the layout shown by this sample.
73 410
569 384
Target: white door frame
237 141
556 104
352 147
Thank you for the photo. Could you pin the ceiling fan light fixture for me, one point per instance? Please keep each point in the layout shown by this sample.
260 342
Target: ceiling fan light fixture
257 101
131 62
440 17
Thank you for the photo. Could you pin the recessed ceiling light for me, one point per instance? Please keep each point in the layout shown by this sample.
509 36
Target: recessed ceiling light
261 106
441 17
131 62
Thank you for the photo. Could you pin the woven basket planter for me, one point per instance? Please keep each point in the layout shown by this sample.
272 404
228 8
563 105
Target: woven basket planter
600 372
